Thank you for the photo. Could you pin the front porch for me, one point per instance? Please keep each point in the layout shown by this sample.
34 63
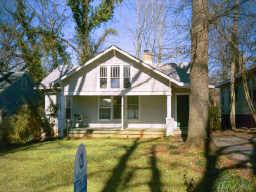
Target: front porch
121 113
116 133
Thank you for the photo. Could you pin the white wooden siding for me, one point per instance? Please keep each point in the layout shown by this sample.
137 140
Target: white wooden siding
87 81
152 112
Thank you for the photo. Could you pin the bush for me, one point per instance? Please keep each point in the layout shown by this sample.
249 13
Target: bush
233 183
226 182
26 125
214 118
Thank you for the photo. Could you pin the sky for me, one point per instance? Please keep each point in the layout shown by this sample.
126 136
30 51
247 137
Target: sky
124 21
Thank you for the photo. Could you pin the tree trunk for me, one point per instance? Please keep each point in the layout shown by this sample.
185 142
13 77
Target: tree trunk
234 65
233 96
86 53
199 96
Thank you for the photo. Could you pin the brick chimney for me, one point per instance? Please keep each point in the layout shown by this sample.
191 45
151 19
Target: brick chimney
148 57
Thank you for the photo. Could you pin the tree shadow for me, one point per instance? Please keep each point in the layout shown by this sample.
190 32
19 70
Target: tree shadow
155 183
34 144
118 180
242 159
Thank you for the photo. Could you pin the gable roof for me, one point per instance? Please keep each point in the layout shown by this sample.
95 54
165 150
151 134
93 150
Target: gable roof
178 77
225 82
16 89
55 75
8 78
179 73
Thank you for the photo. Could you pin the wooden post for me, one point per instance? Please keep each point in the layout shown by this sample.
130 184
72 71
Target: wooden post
169 106
170 123
123 112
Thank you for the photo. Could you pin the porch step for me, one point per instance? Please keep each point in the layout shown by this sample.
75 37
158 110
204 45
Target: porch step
117 133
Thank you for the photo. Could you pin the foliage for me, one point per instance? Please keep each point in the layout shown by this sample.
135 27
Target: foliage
88 18
214 117
233 183
227 182
24 126
29 39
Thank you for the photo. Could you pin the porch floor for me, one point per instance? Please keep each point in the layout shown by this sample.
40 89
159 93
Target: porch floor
117 132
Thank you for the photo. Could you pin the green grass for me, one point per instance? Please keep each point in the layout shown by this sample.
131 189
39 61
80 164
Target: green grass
113 165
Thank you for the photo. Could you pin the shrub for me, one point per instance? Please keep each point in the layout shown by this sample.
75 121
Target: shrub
26 125
214 118
228 182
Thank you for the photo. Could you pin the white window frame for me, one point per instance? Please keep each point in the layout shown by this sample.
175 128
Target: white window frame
108 76
139 109
111 109
113 77
123 76
99 99
105 77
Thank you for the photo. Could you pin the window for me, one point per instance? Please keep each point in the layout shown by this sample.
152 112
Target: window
115 76
68 107
103 77
133 107
117 107
126 76
105 108
110 108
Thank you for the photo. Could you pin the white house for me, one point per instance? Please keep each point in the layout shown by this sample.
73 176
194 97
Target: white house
115 90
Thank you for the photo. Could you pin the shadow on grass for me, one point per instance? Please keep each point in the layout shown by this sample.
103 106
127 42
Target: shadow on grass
118 180
12 148
115 180
242 159
155 183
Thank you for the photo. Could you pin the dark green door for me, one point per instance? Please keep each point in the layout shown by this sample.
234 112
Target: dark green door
182 110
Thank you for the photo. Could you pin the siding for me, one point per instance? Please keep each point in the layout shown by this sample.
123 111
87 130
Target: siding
243 115
152 112
86 82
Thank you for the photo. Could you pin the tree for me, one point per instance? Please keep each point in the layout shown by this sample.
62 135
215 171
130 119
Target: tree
88 18
154 29
234 66
29 37
235 29
199 96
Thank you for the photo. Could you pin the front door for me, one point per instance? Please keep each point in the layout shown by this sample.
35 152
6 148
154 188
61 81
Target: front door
182 111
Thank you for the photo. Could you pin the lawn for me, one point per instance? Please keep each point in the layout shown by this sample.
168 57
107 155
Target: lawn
113 165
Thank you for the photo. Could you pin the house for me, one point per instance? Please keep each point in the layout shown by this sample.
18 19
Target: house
243 114
16 89
115 90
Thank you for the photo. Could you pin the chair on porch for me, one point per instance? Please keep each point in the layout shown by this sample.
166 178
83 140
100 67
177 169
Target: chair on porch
80 121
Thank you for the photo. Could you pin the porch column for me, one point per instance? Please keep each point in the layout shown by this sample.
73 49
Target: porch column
123 112
170 123
61 113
